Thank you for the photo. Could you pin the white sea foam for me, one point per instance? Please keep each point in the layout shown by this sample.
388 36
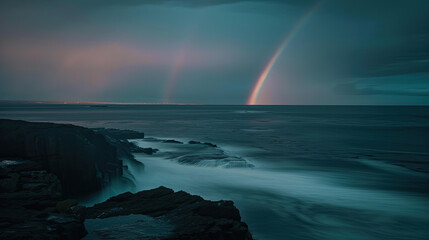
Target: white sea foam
289 184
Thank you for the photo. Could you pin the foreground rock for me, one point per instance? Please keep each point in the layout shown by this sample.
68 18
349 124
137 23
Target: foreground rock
179 215
32 207
30 204
83 160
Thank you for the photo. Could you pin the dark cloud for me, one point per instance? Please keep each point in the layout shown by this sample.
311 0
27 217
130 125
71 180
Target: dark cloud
352 89
189 3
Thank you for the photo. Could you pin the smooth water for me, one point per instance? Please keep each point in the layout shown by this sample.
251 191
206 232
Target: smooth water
320 172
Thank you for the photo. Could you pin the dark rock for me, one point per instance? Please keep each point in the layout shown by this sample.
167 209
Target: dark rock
65 205
41 163
124 148
82 159
130 147
149 151
129 227
27 211
205 143
172 141
192 216
210 144
9 182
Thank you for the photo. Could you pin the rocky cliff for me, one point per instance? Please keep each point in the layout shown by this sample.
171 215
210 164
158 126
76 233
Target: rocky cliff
41 164
82 160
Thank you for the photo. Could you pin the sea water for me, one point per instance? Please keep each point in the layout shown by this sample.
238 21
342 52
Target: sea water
310 172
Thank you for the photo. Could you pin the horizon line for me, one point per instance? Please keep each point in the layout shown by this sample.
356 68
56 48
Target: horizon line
186 104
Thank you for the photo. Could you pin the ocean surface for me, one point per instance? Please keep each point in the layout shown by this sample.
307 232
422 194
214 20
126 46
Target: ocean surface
294 172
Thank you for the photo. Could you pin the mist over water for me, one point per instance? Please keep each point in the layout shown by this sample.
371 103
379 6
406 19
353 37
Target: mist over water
318 172
302 204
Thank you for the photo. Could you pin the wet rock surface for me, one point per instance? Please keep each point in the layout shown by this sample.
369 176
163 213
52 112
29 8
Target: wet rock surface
191 216
32 207
133 226
29 198
172 141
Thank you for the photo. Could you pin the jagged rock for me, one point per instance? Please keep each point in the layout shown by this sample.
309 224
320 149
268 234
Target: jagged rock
172 141
83 160
42 163
28 211
149 151
124 148
210 144
205 143
192 217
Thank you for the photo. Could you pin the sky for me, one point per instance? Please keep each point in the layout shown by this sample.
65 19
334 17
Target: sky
216 51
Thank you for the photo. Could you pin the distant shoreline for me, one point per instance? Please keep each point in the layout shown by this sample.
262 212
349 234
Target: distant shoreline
86 103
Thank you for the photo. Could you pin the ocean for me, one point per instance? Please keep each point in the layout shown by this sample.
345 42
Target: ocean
294 172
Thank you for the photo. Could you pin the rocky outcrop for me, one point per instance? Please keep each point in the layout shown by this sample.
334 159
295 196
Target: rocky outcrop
124 148
205 143
41 164
119 138
32 207
172 141
83 160
29 204
191 216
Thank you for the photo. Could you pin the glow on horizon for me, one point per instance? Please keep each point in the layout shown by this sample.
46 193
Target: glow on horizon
263 76
100 103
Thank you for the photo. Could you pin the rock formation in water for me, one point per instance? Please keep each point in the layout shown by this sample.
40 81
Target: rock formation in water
124 149
32 207
172 141
205 143
41 164
191 216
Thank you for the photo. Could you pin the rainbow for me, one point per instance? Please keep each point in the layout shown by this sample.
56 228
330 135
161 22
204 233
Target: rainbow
174 75
263 76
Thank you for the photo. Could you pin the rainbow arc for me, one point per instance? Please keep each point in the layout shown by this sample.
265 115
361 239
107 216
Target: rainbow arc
254 94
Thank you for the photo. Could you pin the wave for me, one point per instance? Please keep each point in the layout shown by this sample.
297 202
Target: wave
196 153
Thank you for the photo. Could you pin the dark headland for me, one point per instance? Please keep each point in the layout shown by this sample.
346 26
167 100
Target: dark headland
45 165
